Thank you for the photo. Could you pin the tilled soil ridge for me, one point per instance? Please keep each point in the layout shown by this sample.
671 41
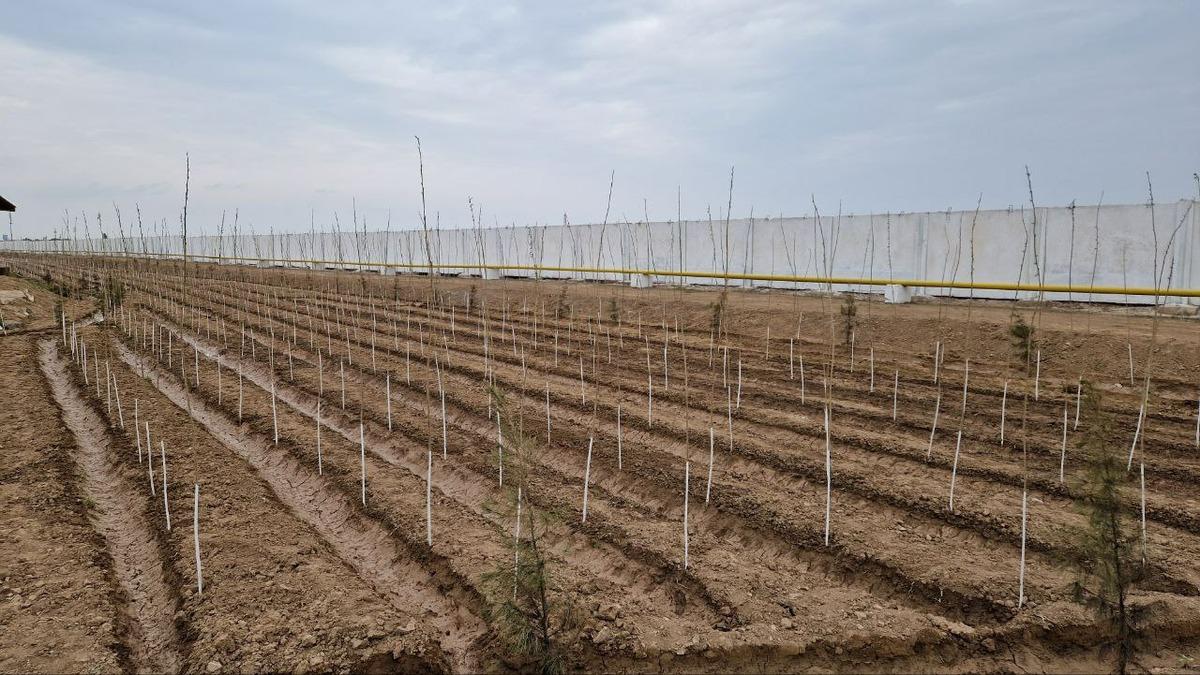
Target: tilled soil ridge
151 637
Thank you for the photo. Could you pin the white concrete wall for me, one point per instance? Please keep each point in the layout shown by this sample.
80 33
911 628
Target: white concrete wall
928 246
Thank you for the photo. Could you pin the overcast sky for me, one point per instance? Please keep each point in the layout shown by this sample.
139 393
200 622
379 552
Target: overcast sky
291 110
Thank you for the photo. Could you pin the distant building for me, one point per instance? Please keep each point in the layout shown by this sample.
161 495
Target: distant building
6 205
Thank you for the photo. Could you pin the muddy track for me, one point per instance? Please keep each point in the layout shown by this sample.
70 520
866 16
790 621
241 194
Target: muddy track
360 542
118 514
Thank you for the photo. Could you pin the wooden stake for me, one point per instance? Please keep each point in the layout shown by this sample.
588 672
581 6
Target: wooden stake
620 463
1037 376
711 450
802 379
137 430
274 414
1079 393
587 477
933 430
687 470
937 360
739 384
895 392
729 418
166 506
954 470
500 447
1003 411
666 379
1062 459
117 396
429 499
828 476
1021 573
872 389
1142 471
649 401
362 458
791 359
1131 380
196 538
517 543
239 391
1198 421
150 460
1136 434
966 378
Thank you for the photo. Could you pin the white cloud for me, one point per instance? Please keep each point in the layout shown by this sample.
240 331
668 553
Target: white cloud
303 105
627 84
86 135
501 101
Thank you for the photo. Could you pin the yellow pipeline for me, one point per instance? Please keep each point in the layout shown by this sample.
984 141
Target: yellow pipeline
733 276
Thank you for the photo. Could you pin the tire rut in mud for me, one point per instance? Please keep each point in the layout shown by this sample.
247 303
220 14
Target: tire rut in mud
151 638
359 541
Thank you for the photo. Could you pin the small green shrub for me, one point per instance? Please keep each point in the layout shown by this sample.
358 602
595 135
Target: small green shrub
1024 345
1112 564
849 312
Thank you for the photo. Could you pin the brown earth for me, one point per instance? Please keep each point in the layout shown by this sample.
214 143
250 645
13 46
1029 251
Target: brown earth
309 567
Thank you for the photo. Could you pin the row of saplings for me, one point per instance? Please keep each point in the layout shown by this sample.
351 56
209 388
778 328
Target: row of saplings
537 621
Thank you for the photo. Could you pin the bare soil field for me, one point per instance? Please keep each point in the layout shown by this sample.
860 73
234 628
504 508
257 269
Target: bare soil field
451 474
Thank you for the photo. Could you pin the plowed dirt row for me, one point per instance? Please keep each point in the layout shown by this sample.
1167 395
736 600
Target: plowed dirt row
654 532
469 529
358 540
266 573
62 609
532 378
916 366
119 516
967 489
984 402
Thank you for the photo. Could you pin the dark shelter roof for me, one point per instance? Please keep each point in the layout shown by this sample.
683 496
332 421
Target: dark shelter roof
6 205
